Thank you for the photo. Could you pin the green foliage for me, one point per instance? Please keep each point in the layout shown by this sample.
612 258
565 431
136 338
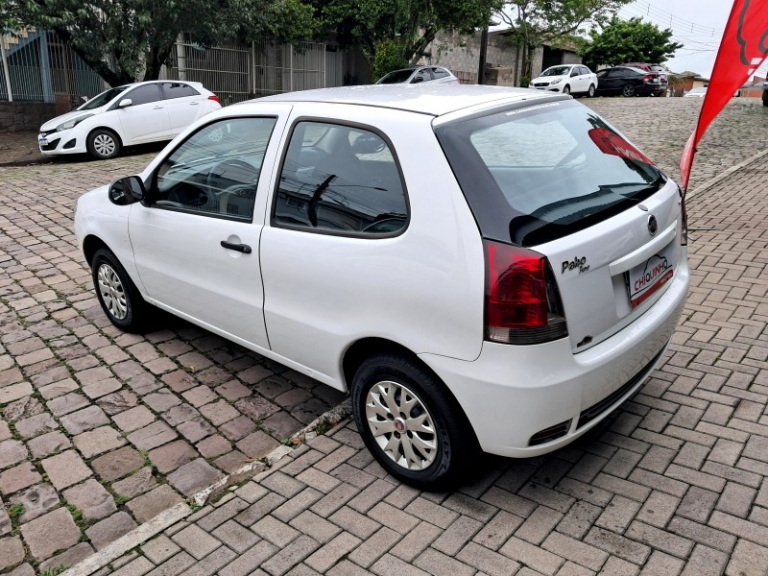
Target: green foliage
53 571
138 35
536 22
389 57
15 511
120 499
401 28
525 81
630 40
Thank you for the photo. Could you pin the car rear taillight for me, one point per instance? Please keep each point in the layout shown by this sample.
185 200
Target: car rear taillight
214 98
648 78
522 302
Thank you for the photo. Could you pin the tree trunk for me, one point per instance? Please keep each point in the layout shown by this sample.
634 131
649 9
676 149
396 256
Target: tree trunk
156 57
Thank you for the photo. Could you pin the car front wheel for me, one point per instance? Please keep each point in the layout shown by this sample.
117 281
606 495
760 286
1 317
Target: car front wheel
566 89
591 91
411 423
103 144
117 294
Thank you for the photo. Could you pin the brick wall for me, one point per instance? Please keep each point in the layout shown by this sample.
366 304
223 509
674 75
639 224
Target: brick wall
24 116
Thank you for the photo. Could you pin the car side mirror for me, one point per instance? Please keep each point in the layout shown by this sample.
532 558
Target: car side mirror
574 73
125 102
127 191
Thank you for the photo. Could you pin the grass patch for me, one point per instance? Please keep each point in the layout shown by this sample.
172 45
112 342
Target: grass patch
53 571
16 511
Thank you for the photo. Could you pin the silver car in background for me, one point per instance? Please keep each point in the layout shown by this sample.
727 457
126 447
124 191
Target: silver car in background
417 74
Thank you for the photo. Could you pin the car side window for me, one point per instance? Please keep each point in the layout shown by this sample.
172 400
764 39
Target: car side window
346 181
144 94
423 74
173 90
215 172
440 73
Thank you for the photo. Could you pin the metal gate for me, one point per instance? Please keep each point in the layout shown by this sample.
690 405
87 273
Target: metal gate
281 68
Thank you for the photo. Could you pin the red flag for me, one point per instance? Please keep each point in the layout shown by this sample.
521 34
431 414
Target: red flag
743 48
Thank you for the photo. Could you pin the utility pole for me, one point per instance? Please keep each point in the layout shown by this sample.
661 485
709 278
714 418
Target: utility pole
483 52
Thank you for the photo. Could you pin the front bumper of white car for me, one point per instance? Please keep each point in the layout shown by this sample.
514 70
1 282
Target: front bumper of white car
525 401
53 143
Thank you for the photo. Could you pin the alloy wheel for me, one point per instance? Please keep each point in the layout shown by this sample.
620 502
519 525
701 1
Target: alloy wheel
112 292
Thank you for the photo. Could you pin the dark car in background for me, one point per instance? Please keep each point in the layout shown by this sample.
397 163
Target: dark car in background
628 81
663 80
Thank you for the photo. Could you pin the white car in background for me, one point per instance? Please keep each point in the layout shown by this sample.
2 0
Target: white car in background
568 79
696 93
419 74
138 113
510 313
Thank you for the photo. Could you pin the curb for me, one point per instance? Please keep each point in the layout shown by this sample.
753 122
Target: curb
723 175
168 518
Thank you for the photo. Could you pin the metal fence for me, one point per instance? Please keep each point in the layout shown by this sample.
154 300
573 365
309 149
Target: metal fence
37 67
281 68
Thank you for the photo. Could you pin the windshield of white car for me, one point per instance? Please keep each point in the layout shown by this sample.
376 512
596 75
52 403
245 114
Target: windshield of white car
534 175
557 71
103 98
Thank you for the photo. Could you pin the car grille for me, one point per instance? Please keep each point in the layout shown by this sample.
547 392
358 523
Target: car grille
44 133
596 409
51 145
537 84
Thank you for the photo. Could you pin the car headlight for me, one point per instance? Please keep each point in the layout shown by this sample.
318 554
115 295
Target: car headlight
72 122
555 81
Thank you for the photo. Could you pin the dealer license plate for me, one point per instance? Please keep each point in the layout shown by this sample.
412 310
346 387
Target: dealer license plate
644 280
43 141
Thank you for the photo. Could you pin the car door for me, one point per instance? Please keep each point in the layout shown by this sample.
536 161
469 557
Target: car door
185 105
584 78
196 241
146 118
574 80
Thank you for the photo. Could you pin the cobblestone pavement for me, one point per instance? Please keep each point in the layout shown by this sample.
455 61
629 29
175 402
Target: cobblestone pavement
672 484
100 430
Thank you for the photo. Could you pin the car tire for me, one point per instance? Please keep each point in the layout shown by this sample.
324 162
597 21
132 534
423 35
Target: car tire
117 294
628 90
591 91
380 386
566 89
103 144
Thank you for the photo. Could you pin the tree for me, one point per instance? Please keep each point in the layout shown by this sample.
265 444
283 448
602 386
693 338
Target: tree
120 39
394 33
630 40
537 22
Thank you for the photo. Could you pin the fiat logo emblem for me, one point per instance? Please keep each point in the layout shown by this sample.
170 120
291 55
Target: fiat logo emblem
653 225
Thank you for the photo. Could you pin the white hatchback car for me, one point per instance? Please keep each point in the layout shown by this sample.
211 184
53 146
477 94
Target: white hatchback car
568 79
507 298
125 115
419 74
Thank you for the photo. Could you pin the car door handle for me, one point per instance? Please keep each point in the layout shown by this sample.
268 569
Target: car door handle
244 248
194 103
157 108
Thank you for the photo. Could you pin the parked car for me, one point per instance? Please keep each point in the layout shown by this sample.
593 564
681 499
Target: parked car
130 114
568 79
696 93
628 82
765 93
510 313
663 80
419 74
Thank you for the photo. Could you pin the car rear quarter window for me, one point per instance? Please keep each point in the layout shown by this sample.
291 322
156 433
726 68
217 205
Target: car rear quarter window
173 90
341 180
535 174
144 94
440 73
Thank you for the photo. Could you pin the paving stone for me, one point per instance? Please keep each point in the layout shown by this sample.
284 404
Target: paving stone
161 400
110 529
245 563
257 445
213 446
92 498
196 429
37 500
172 455
50 533
12 452
17 478
193 476
291 555
149 505
34 426
152 436
117 464
48 444
65 404
196 542
11 552
134 418
65 469
98 441
159 549
85 419
69 558
281 425
138 483
235 536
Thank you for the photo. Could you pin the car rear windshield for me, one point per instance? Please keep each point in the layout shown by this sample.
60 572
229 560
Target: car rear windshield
535 174
396 77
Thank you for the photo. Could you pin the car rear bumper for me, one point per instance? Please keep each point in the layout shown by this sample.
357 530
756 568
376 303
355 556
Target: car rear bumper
529 400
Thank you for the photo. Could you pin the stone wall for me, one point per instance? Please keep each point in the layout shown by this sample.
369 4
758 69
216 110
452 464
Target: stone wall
461 55
24 116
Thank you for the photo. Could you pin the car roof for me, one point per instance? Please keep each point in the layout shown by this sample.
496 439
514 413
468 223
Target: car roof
428 98
162 81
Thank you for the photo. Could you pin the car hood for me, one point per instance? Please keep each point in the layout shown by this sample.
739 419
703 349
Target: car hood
51 124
